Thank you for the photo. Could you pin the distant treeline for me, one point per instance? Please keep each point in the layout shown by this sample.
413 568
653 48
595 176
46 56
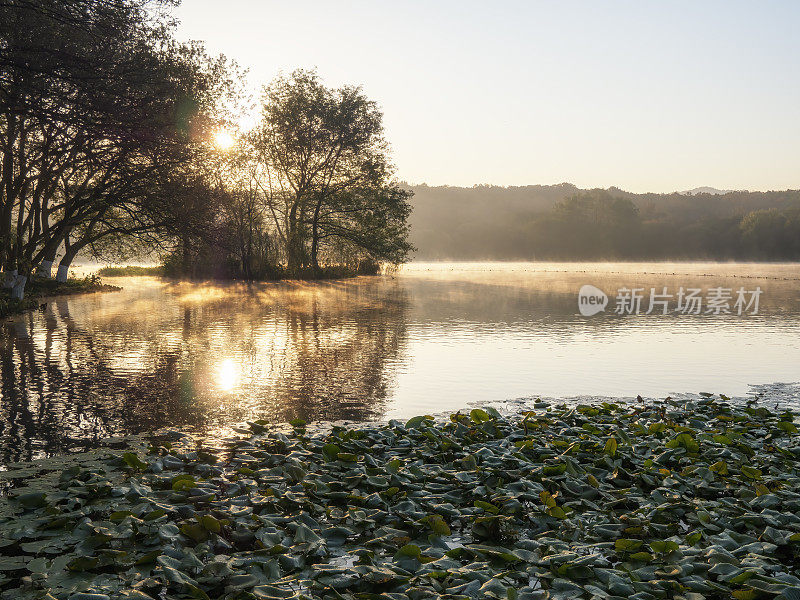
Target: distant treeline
563 222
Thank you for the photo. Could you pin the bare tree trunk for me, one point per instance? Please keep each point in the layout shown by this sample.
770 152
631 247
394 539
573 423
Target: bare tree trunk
315 246
9 279
294 251
315 235
65 262
18 291
45 268
7 195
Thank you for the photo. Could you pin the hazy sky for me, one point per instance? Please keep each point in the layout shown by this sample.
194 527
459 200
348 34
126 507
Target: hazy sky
644 95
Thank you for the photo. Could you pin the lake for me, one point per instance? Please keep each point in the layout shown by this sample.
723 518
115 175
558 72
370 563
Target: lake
430 338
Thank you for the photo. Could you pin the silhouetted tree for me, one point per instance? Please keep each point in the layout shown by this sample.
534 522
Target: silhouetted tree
324 169
101 112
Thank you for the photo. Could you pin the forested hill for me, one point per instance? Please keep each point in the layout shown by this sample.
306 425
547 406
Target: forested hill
565 222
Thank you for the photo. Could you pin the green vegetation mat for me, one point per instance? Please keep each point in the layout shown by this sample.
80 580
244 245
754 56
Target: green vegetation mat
131 271
691 499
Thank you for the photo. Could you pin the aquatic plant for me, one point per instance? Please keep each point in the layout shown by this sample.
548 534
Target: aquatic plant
685 500
131 271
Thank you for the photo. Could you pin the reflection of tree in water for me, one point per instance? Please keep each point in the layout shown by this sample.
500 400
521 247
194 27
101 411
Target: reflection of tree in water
38 380
317 352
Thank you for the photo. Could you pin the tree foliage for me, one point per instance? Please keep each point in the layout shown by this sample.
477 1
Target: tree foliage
322 160
101 112
308 192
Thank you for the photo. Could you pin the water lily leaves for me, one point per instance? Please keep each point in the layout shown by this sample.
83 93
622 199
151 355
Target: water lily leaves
153 514
487 506
305 534
347 457
750 472
394 465
694 537
410 557
273 592
663 546
627 545
32 499
550 505
686 441
183 483
12 563
720 467
331 451
655 428
563 503
210 523
419 421
148 558
478 415
259 426
641 556
761 489
119 515
555 469
194 531
409 551
437 524
83 563
133 461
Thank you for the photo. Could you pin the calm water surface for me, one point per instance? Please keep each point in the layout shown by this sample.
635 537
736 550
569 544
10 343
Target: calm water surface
434 337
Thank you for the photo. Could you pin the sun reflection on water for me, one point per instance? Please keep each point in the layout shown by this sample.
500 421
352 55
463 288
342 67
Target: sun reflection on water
203 357
229 375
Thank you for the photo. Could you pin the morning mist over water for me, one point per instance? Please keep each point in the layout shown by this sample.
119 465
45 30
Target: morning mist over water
434 337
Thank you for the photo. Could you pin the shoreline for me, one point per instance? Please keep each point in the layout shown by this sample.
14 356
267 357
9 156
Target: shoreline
680 497
43 289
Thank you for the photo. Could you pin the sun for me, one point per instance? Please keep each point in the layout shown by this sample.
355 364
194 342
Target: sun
223 139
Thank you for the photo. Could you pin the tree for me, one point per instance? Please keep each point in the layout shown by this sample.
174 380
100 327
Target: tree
321 162
593 224
102 117
772 233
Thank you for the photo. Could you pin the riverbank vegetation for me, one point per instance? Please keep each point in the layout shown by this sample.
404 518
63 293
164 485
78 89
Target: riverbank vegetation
118 141
40 289
675 499
131 271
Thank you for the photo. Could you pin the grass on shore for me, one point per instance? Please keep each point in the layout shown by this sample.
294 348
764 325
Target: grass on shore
281 273
686 500
39 288
275 273
131 271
